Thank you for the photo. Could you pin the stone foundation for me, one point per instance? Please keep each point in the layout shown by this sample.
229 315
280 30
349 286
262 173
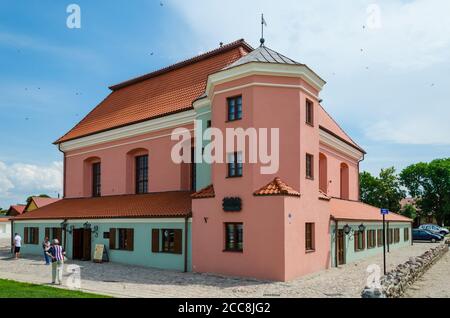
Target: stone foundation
395 282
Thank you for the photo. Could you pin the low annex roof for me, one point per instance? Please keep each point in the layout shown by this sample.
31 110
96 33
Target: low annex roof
161 204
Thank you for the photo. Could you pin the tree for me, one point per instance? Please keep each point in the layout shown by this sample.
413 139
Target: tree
383 191
430 184
409 211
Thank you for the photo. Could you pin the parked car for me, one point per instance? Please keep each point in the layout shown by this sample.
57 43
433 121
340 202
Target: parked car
434 228
425 235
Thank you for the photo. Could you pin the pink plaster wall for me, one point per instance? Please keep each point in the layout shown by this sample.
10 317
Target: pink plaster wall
164 174
334 160
277 250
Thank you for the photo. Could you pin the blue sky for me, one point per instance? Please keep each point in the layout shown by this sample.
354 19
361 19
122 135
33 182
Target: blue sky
388 85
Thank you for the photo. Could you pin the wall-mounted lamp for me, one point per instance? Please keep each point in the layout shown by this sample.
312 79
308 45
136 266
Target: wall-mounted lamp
87 226
347 229
362 228
64 224
95 231
70 230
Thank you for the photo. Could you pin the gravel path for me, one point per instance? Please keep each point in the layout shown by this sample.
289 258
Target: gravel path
435 283
133 281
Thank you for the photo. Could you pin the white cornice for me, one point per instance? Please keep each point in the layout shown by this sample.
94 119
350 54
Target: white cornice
339 145
102 220
133 130
258 68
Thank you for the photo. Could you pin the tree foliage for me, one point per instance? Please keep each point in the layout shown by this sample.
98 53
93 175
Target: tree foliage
383 191
429 183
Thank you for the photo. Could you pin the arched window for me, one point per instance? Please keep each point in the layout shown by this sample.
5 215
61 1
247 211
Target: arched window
92 183
137 171
344 181
323 174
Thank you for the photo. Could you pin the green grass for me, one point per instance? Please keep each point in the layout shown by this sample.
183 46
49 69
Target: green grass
13 289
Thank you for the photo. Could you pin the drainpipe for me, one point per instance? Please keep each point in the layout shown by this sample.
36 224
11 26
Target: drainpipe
12 234
186 244
336 257
359 187
64 171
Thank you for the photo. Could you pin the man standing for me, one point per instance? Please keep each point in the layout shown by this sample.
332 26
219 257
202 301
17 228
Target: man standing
17 244
56 252
46 247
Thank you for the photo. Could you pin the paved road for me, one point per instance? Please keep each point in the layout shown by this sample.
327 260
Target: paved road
435 283
133 281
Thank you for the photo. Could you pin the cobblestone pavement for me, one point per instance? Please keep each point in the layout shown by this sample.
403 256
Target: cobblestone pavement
435 283
133 281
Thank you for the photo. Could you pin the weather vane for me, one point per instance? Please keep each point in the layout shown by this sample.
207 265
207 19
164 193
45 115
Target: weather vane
263 23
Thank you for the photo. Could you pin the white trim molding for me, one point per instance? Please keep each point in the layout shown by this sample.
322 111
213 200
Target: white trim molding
259 68
103 220
169 121
337 144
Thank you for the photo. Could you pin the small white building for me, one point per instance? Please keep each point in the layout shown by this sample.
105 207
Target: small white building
5 227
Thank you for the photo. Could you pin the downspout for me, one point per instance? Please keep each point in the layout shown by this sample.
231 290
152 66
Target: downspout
336 258
64 171
186 243
359 186
12 234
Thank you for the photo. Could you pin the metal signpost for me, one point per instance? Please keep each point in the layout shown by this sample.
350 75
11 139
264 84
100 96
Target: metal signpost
384 212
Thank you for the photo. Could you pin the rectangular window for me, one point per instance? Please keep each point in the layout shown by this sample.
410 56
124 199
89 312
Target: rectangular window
53 233
406 234
142 174
371 239
359 239
96 179
309 237
309 112
171 241
396 235
309 166
31 235
234 108
126 239
235 165
234 237
380 238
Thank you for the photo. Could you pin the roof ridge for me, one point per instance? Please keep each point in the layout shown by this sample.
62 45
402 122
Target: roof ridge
182 63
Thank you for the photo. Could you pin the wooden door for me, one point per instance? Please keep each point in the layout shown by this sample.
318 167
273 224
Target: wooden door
86 245
77 246
341 248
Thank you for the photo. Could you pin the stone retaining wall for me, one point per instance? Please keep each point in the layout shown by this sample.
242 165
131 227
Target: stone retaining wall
395 282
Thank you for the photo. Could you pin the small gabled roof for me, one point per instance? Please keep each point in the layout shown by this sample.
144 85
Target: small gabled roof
42 201
265 55
207 192
276 187
18 209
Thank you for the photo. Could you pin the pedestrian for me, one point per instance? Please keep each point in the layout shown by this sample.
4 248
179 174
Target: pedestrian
46 247
17 245
56 252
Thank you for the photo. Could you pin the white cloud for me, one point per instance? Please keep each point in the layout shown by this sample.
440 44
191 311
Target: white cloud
379 80
19 180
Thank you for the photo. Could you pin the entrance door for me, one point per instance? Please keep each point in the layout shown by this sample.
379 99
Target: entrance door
341 248
81 244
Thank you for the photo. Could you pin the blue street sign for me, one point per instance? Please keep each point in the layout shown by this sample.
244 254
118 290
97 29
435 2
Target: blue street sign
384 211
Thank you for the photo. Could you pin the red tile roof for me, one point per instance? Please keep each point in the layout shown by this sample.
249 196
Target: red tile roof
276 187
328 123
204 193
2 219
163 92
40 202
359 211
18 209
163 204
